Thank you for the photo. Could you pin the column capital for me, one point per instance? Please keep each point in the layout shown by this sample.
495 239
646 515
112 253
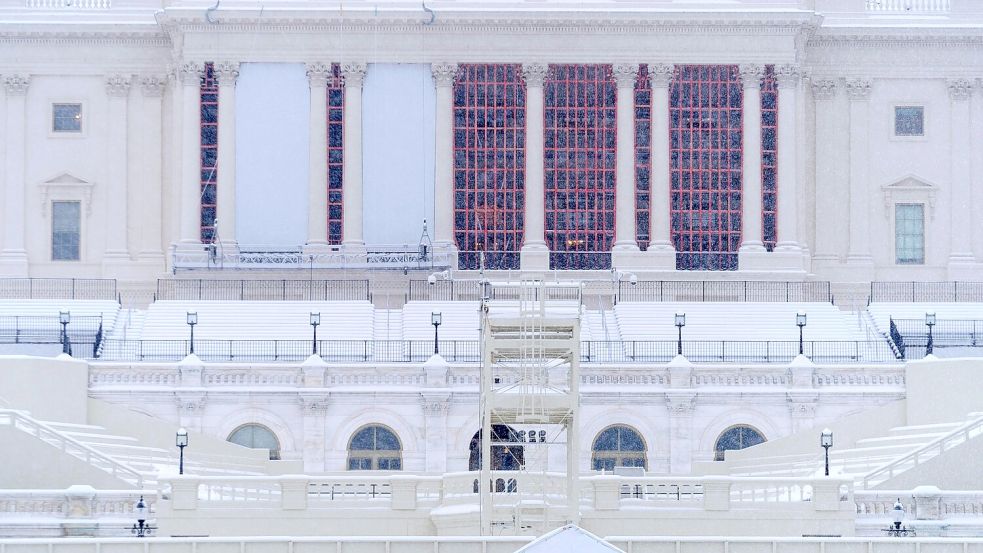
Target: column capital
625 74
227 72
190 73
153 85
660 74
681 404
318 74
858 88
823 89
534 73
315 404
354 73
751 74
787 75
443 73
117 86
959 89
17 85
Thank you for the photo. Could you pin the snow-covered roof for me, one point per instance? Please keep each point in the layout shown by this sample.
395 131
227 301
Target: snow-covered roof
569 538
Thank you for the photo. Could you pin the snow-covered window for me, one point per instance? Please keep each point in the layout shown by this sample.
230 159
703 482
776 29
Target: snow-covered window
618 446
736 437
375 448
66 230
256 436
909 121
909 234
66 118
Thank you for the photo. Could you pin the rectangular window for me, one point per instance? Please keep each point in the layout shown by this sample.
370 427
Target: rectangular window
909 234
909 121
66 118
66 228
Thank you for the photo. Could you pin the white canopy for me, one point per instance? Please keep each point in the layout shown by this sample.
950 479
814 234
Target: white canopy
569 538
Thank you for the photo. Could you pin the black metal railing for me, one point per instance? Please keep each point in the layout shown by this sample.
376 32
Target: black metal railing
262 290
468 351
945 333
490 260
724 291
58 288
897 338
45 329
926 291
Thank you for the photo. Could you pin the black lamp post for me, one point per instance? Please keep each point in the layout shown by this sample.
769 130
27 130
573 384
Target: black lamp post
826 440
65 317
141 529
315 321
192 319
929 322
800 321
680 323
181 441
435 320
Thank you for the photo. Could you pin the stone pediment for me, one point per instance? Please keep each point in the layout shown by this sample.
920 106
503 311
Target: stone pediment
66 186
910 188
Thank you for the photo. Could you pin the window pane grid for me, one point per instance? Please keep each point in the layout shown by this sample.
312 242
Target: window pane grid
769 158
737 437
66 230
705 157
489 164
579 158
618 446
643 156
909 121
66 117
209 151
374 448
909 232
336 156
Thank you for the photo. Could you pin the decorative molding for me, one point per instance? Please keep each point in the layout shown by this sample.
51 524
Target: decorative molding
117 86
190 404
787 75
227 72
190 73
751 74
153 85
314 404
959 89
66 187
823 89
625 74
318 74
443 73
660 74
354 73
17 85
534 74
910 189
858 88
681 404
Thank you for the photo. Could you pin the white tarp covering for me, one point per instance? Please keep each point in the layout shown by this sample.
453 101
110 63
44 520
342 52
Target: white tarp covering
569 538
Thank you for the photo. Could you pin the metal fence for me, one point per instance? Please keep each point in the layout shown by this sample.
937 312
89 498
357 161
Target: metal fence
715 290
58 288
468 351
926 291
470 290
41 329
910 336
262 290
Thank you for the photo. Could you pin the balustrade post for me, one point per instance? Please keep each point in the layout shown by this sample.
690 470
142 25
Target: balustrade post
607 493
293 492
403 492
184 493
716 493
826 494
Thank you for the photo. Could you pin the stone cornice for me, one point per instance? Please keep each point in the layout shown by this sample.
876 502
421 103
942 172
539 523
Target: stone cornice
900 38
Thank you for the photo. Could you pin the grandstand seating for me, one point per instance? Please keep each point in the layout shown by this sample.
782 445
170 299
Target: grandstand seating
36 320
882 312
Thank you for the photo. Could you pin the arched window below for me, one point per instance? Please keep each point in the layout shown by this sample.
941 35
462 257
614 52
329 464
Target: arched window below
504 457
256 436
375 448
736 437
618 446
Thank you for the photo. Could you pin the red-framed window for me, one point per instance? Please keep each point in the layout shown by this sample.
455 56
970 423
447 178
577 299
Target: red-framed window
579 158
705 157
769 158
209 151
336 154
489 164
643 156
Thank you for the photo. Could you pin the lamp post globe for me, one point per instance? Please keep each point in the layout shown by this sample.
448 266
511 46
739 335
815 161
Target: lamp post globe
181 441
826 441
192 319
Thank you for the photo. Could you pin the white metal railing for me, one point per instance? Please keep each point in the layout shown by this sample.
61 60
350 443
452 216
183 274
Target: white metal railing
930 450
69 4
908 6
20 421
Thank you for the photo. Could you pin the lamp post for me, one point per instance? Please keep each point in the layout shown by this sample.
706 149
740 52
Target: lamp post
800 321
826 440
315 321
192 319
929 322
680 323
435 320
65 317
181 441
141 529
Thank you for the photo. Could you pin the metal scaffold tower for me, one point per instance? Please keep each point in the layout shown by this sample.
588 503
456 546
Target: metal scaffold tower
529 400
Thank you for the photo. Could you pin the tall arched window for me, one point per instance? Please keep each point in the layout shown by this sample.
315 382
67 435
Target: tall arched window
375 448
256 436
736 437
618 446
504 457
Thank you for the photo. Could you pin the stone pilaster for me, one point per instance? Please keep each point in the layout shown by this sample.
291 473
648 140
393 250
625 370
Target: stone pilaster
117 161
680 406
827 168
354 74
858 255
227 73
314 407
788 250
150 144
661 252
750 255
625 245
191 406
190 219
534 255
444 75
435 405
317 184
13 256
962 263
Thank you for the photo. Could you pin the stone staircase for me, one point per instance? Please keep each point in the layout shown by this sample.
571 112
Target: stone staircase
387 324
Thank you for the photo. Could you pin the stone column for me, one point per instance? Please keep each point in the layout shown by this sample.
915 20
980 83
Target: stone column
435 407
660 249
961 261
443 80
827 166
751 244
225 186
354 74
680 406
787 173
315 409
535 255
625 75
317 184
190 232
858 254
150 156
13 257
117 90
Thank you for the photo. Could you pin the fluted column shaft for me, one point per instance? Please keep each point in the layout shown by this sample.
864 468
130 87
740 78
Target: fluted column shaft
190 220
317 184
443 79
961 248
14 255
150 160
824 92
660 76
787 175
859 93
117 88
354 74
751 226
225 189
535 209
625 75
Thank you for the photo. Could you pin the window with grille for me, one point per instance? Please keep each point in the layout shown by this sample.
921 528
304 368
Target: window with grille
705 157
489 164
209 151
510 456
769 158
736 437
66 118
643 157
256 436
618 446
579 158
66 231
909 121
375 448
336 154
909 234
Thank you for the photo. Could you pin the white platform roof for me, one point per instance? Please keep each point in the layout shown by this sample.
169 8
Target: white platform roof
569 538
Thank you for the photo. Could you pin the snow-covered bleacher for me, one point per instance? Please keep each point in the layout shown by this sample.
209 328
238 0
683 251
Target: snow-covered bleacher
883 312
958 328
37 320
